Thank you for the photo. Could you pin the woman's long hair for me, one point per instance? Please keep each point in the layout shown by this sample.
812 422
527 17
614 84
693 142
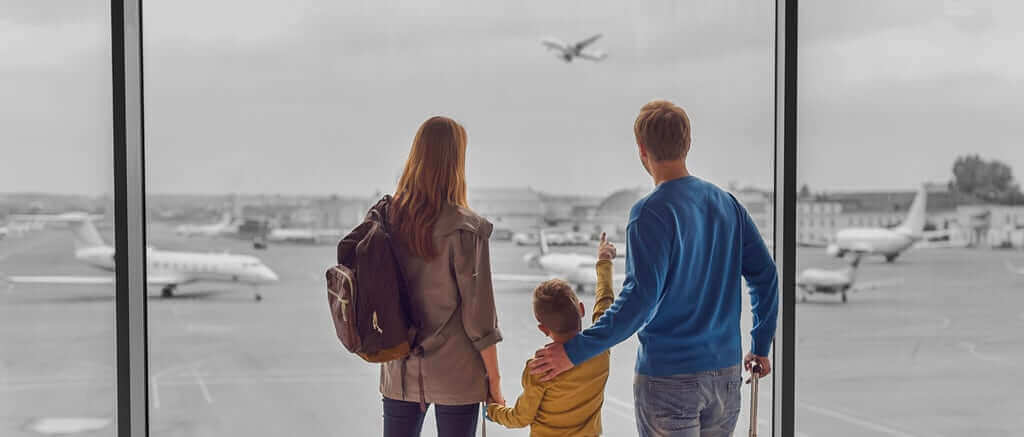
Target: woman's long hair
434 175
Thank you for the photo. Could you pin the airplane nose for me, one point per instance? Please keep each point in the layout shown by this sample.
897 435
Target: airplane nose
268 275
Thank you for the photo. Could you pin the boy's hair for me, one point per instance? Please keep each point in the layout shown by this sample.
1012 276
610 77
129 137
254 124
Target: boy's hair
556 306
664 129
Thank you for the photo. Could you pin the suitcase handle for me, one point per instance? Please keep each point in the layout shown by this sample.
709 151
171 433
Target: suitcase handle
755 374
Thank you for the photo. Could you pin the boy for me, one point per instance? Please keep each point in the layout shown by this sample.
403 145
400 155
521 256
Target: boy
569 405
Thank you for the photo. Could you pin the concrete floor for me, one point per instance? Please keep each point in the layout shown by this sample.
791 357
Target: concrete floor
936 355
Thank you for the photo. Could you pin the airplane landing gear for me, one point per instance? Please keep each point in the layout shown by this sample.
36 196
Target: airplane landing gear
891 258
257 297
844 297
168 291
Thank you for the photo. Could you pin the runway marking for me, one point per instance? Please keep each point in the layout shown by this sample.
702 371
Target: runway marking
877 427
155 393
624 409
973 349
202 385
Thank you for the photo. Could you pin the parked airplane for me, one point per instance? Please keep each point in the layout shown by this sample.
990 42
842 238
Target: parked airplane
166 269
575 268
567 52
304 235
38 221
225 226
889 243
841 281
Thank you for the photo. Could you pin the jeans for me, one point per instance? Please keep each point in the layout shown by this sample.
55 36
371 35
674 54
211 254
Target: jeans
404 419
704 404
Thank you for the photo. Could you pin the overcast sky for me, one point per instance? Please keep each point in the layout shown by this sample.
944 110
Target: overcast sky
317 96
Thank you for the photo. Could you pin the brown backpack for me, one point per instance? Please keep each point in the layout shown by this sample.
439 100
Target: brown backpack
367 292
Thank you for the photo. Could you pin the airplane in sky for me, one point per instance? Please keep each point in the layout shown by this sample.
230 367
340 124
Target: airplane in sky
889 243
841 281
567 52
575 268
165 269
226 226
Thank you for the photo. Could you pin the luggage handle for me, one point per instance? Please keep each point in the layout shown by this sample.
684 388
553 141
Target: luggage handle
755 374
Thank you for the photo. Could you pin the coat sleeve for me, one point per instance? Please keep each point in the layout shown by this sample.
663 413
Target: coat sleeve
525 410
472 265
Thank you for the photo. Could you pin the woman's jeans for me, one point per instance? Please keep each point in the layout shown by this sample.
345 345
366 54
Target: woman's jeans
404 419
704 404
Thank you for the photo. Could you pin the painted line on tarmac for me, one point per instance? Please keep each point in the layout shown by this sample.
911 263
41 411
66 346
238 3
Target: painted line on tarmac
202 385
154 391
621 408
973 349
877 427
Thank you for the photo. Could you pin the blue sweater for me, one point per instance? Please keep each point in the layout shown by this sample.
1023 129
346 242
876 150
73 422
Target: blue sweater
688 243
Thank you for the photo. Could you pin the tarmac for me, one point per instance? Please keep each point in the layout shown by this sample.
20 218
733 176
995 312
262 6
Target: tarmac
937 352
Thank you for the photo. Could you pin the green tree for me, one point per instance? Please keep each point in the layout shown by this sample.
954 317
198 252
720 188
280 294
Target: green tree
988 180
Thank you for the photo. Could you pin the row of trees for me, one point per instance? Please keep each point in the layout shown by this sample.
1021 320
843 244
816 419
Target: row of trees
990 181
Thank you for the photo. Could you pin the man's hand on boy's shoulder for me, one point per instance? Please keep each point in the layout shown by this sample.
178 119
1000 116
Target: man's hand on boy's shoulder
550 362
605 250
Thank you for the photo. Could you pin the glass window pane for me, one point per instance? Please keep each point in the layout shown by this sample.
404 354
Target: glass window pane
908 129
56 219
270 132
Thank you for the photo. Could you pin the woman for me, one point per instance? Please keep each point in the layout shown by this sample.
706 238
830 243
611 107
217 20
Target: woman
442 247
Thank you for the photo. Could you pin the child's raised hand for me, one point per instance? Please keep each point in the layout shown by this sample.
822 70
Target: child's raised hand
605 250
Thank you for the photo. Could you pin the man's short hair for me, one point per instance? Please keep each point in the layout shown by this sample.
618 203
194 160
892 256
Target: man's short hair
556 306
664 129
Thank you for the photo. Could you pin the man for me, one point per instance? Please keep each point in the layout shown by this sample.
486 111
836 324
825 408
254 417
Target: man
688 243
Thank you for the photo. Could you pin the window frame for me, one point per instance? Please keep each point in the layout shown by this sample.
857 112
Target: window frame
131 336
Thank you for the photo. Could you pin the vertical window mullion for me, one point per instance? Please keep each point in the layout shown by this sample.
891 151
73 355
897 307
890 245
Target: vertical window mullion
783 408
129 219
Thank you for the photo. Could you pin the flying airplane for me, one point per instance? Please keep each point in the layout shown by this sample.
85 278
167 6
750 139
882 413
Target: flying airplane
574 268
567 52
841 281
165 269
889 243
225 226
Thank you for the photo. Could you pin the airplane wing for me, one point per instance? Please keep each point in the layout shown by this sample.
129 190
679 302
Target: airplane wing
588 41
69 280
593 56
554 44
88 280
1014 269
520 278
874 285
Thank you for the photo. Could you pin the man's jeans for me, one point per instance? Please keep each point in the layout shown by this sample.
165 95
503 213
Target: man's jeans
704 404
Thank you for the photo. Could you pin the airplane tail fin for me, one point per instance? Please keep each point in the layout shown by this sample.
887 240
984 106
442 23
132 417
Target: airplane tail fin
913 224
86 235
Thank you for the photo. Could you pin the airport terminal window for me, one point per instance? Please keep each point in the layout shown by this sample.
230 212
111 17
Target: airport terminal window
57 360
899 105
269 134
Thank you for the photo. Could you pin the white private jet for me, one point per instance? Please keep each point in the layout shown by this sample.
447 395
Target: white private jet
165 269
889 243
841 281
567 52
304 235
225 226
574 268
